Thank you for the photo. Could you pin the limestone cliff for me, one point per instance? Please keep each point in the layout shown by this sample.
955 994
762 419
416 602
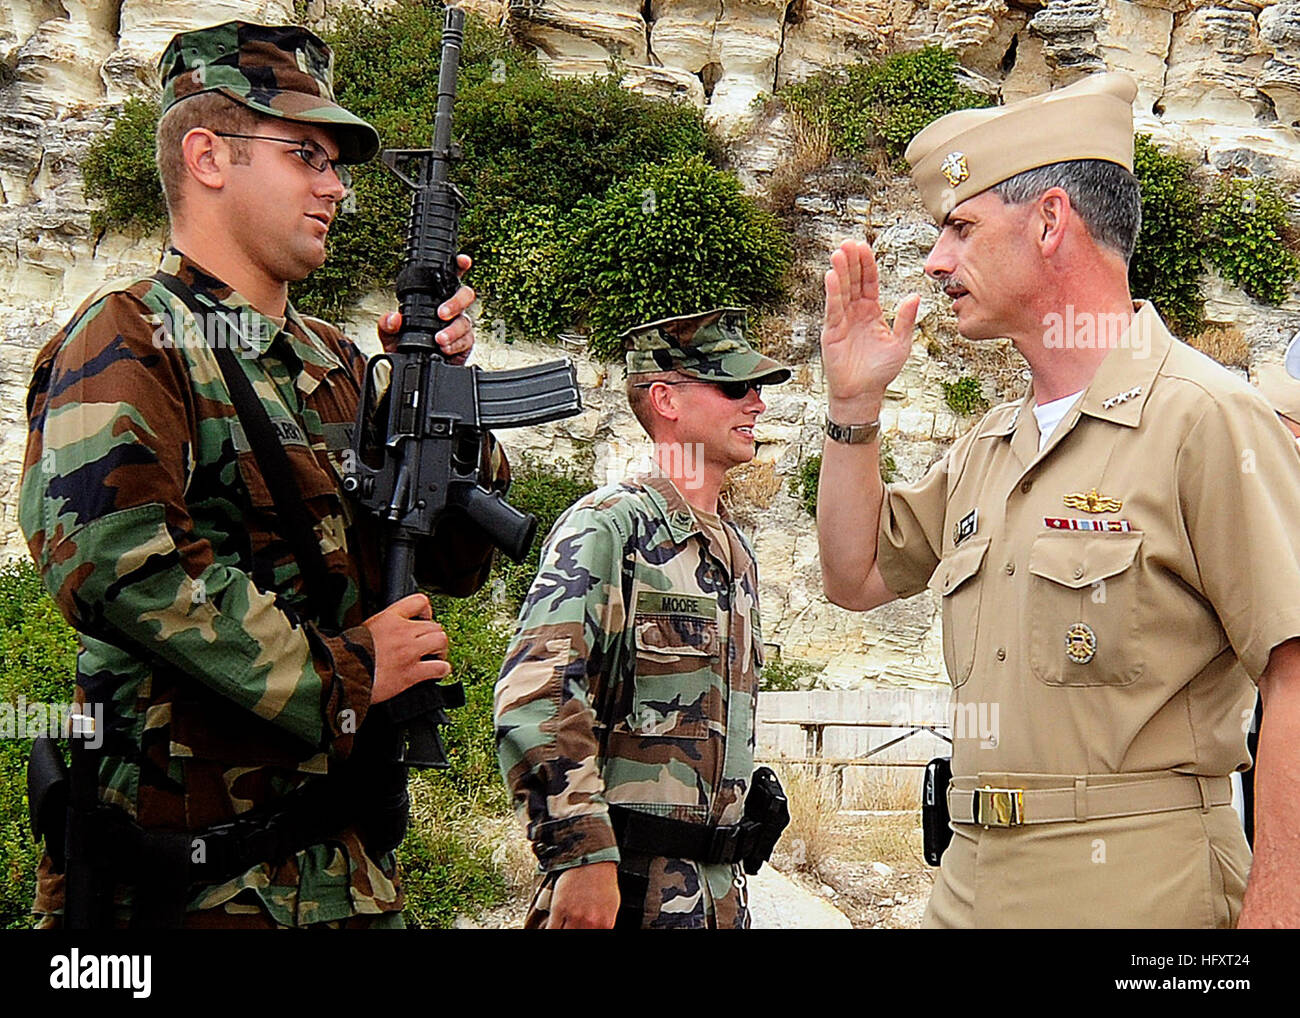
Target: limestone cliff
1219 79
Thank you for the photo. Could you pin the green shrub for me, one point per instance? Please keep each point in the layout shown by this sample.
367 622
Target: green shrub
536 140
447 864
670 239
888 465
525 273
965 396
530 145
37 662
19 854
1166 265
885 103
1245 227
386 71
803 485
120 174
781 676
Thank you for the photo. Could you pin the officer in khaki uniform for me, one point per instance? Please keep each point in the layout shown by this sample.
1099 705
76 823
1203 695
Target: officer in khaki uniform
1116 553
626 704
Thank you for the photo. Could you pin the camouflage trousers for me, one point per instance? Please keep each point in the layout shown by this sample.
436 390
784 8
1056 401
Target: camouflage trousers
665 894
243 912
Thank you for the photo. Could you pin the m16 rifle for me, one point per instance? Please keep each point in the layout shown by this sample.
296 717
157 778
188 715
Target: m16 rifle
428 460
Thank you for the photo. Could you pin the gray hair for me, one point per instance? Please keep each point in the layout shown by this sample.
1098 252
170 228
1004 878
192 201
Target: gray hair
1107 197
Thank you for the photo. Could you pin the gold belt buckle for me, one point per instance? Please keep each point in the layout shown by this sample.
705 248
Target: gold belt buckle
999 807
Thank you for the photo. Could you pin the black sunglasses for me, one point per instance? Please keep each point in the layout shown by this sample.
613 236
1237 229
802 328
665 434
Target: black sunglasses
732 390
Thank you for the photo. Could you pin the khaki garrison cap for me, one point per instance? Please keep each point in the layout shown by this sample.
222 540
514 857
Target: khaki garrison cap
710 346
964 153
278 70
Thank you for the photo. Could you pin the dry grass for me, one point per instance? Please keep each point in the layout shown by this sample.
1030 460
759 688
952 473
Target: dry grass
1225 343
513 854
807 842
749 488
886 789
482 829
811 150
895 841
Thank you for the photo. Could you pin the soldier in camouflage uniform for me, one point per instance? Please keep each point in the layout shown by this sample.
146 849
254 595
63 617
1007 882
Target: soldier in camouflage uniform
146 511
629 691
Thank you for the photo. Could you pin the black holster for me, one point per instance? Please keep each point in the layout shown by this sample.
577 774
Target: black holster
936 832
749 842
767 814
47 798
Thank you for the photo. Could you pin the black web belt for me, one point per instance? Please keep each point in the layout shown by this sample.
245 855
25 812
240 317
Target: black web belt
162 865
648 834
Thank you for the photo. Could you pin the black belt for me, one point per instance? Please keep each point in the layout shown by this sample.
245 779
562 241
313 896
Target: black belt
161 865
677 839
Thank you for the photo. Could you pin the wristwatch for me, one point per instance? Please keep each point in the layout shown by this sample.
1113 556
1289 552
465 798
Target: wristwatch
852 434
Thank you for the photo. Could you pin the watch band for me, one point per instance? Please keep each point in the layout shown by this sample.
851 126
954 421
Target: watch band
852 434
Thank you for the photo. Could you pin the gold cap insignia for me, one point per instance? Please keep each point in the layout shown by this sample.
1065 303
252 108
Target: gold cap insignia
1080 643
954 168
1092 502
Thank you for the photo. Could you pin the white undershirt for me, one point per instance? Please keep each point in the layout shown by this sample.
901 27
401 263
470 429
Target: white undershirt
1049 415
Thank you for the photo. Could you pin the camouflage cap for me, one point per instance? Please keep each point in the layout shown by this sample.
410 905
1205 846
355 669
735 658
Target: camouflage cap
709 346
280 70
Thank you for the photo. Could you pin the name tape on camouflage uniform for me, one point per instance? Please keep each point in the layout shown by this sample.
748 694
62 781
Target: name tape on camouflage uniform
658 602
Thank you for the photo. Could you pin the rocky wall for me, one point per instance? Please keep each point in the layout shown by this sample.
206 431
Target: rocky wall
1220 80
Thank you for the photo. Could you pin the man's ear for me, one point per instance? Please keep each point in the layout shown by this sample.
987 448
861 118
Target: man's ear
206 157
1051 219
663 401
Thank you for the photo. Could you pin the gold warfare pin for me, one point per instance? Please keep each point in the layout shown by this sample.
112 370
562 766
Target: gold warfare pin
1092 502
1080 643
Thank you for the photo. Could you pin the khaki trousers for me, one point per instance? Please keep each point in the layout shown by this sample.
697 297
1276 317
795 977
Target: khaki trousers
1180 870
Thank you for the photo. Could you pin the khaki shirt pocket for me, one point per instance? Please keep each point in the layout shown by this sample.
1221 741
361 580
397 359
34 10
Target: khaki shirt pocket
951 580
1084 606
676 686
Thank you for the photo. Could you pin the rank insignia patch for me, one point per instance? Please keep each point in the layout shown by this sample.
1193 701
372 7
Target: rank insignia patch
1080 643
966 526
1092 502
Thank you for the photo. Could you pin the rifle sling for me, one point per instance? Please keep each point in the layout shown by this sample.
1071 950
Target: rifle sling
296 524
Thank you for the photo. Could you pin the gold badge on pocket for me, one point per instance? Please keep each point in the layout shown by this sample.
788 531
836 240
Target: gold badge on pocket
1080 643
1092 502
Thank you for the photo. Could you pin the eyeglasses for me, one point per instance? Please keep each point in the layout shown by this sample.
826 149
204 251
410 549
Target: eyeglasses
732 390
308 151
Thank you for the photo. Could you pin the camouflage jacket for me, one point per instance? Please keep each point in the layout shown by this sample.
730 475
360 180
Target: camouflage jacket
146 512
633 679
